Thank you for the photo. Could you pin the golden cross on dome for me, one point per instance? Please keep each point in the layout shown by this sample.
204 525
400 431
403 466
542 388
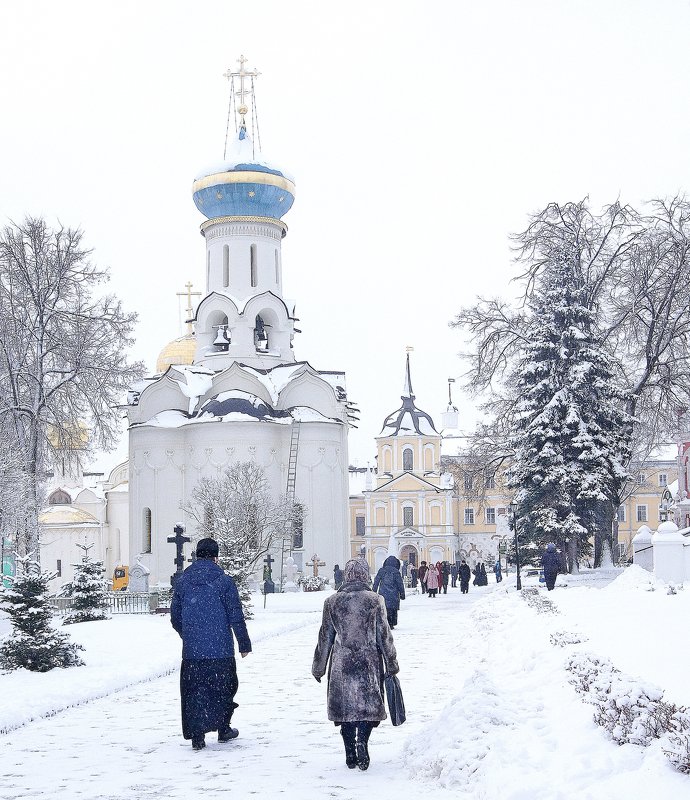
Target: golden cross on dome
242 74
190 309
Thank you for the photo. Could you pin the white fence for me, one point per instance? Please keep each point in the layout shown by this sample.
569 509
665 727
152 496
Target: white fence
118 603
666 553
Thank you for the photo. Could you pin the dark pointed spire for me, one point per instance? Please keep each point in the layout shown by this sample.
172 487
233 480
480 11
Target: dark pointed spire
407 390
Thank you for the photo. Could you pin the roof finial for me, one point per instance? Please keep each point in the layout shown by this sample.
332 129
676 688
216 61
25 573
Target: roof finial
245 91
407 390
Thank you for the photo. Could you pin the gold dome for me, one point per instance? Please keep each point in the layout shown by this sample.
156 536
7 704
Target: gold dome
179 351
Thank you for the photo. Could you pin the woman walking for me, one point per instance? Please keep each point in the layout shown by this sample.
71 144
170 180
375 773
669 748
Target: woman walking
432 580
356 637
389 584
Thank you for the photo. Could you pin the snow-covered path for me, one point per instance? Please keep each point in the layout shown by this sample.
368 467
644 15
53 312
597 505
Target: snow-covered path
129 744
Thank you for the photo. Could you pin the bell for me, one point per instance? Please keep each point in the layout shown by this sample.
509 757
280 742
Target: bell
221 341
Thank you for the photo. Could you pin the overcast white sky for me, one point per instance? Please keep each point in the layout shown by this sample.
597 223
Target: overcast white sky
420 134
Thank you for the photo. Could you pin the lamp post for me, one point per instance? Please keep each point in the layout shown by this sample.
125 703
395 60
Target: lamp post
513 520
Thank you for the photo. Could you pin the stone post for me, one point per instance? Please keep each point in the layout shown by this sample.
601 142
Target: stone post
669 558
643 552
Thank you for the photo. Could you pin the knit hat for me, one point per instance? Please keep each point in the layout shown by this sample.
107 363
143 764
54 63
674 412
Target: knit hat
356 570
207 548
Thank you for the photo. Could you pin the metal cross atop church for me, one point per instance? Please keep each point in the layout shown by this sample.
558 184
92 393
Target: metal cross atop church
242 74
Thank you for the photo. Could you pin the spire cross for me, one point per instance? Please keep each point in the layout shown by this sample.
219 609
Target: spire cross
190 311
242 73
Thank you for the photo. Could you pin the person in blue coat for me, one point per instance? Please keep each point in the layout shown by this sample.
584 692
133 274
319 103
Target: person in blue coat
206 610
497 571
389 584
550 562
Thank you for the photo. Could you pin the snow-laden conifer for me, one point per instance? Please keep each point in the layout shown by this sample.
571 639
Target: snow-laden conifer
88 591
571 433
33 642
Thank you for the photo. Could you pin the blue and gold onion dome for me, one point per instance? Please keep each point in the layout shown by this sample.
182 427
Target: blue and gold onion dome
243 186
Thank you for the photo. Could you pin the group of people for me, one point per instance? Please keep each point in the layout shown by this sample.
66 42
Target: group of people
355 638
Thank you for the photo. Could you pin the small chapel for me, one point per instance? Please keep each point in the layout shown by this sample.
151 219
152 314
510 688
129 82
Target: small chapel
232 389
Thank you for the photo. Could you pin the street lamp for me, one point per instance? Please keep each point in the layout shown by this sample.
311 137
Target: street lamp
513 520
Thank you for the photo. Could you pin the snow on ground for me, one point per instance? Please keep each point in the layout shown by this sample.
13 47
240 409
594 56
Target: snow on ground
490 711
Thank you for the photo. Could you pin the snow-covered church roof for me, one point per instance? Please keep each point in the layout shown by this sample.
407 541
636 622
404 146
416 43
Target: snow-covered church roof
408 420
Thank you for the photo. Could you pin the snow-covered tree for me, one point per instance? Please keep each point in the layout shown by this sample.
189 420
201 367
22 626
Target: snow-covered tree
239 511
63 364
88 591
33 643
571 432
635 267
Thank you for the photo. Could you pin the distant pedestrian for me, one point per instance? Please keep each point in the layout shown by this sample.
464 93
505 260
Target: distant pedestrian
356 637
476 581
421 572
413 576
432 580
337 577
453 575
464 573
484 580
206 611
389 584
550 562
497 571
445 576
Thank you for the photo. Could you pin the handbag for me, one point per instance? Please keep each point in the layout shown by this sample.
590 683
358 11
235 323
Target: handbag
396 704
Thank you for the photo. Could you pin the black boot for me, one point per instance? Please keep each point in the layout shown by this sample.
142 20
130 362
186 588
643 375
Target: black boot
349 732
363 733
198 742
227 734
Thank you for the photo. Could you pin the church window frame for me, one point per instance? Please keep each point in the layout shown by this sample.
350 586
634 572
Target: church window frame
408 459
621 513
226 266
59 498
360 525
277 260
253 269
408 516
663 479
146 526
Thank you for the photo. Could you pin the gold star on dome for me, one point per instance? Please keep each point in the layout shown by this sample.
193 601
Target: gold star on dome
280 199
251 194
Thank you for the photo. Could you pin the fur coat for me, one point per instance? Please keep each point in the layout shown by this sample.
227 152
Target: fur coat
355 635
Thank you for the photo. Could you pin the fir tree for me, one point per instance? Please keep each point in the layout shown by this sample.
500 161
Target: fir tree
571 432
33 644
88 590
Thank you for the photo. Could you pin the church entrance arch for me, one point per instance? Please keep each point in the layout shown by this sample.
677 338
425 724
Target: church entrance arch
409 553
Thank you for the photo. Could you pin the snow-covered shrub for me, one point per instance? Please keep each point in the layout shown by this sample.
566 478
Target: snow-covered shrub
88 592
676 741
563 638
592 676
537 601
33 643
628 711
312 583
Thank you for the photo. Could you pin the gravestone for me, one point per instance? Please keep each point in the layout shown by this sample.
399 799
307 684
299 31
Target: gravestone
290 584
139 578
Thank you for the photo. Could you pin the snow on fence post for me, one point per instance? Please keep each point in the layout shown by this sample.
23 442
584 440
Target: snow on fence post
669 559
643 553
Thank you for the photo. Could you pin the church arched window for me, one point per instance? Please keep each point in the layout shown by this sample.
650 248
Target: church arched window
59 498
277 257
226 266
253 277
146 531
260 333
408 459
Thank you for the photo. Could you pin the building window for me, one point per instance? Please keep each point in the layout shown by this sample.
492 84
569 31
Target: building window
490 482
146 531
252 265
59 498
621 513
58 569
408 516
226 265
490 516
408 459
641 478
359 526
642 513
468 483
277 268
663 479
469 516
298 533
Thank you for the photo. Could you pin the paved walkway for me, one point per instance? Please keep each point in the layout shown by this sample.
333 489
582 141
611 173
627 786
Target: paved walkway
129 745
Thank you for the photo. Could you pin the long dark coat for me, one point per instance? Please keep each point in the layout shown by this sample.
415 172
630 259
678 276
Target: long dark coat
551 563
389 584
465 573
355 636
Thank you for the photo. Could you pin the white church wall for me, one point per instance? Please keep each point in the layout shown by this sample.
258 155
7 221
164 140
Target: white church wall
157 397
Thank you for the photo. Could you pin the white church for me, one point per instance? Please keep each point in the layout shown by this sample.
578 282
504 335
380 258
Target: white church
232 390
